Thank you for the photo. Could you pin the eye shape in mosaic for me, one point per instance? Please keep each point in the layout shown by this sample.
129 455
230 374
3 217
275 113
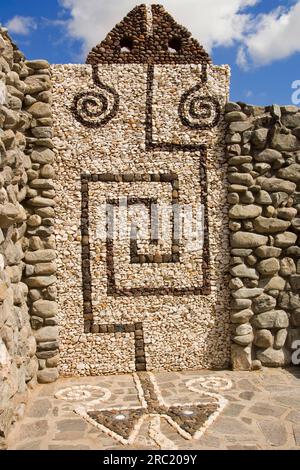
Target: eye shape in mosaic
198 110
95 108
189 419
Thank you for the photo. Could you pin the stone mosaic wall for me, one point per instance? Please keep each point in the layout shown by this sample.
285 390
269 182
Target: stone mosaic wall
263 147
25 141
136 307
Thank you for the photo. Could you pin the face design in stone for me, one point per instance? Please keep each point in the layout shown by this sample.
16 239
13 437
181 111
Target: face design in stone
145 127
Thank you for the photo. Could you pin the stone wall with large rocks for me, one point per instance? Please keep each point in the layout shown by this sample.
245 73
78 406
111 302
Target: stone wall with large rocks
26 247
263 149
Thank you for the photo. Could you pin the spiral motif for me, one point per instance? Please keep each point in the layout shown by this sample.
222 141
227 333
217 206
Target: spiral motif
80 393
96 107
211 383
198 110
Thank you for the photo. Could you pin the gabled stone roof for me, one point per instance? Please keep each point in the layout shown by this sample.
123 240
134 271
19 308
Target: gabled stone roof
148 34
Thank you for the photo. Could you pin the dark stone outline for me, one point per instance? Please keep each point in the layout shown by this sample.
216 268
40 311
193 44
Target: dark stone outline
201 126
89 325
89 98
136 328
150 145
103 99
111 289
135 257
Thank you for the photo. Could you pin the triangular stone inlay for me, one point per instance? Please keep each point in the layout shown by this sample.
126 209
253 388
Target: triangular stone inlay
192 417
121 422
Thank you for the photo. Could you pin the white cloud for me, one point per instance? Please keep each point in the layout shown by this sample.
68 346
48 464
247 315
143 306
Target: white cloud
241 58
261 38
22 25
212 22
275 36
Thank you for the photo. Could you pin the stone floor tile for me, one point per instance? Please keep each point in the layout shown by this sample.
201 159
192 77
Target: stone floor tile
163 377
210 441
233 409
294 416
40 408
247 420
232 398
296 430
288 399
228 425
29 445
246 395
33 429
265 409
246 384
274 432
77 424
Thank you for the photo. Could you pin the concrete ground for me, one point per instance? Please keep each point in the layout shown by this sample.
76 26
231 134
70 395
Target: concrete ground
168 410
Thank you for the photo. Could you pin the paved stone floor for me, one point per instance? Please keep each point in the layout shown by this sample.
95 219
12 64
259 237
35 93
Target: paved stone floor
251 410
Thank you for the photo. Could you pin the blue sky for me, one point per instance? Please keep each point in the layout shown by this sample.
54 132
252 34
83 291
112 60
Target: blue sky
259 39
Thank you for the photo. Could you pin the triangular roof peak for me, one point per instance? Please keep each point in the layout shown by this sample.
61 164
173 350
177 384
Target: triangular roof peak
148 34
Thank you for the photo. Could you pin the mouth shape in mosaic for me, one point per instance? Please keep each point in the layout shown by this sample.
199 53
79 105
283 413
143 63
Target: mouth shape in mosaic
190 420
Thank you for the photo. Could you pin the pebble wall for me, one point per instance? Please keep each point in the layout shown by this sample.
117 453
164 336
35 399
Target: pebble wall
130 124
176 298
26 193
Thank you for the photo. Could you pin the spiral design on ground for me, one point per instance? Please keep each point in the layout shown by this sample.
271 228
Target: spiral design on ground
211 382
81 393
199 110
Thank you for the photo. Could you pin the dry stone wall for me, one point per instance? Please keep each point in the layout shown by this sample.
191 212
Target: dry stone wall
263 148
25 138
40 266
